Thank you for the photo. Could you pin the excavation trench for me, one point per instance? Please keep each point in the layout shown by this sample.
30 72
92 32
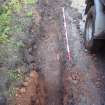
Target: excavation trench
78 80
45 87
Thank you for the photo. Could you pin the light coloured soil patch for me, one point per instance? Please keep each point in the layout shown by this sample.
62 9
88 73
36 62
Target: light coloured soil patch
79 4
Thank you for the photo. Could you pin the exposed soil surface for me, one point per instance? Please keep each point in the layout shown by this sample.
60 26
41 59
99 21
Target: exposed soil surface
84 74
78 81
32 91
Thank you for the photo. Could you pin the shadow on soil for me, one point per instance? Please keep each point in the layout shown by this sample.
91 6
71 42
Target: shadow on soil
99 59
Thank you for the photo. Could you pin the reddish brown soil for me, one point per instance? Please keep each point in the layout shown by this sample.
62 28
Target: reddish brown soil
83 77
33 91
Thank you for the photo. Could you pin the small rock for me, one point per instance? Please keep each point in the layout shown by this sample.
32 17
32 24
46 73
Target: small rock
86 50
75 81
98 79
30 50
27 79
97 84
22 90
25 84
17 95
35 46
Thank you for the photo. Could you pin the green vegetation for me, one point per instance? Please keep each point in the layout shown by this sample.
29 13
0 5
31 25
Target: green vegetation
6 16
14 75
15 20
15 5
12 91
31 1
5 19
29 14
